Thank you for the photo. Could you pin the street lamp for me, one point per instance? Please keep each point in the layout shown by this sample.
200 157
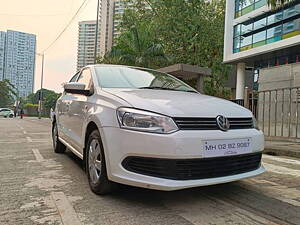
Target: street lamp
41 90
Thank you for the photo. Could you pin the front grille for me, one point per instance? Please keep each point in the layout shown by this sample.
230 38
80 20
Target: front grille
195 123
191 169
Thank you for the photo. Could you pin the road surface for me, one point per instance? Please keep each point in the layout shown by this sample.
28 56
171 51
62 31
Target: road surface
41 187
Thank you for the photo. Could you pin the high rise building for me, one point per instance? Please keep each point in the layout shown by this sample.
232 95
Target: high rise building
265 40
106 26
2 52
86 43
110 16
19 60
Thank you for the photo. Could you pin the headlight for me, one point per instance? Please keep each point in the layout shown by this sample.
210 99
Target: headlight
254 122
140 120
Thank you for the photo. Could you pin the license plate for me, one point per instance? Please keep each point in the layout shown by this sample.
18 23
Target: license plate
217 148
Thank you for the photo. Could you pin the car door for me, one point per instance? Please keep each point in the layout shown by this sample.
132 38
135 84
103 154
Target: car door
78 110
62 109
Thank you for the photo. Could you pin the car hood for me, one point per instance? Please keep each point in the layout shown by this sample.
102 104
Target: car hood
179 103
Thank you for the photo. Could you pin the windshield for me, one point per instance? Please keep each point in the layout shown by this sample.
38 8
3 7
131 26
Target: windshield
137 78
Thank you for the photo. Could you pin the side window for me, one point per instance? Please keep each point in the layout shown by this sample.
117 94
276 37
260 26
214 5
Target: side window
85 78
74 78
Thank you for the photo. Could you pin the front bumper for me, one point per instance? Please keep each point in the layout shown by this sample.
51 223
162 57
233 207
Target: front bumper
120 143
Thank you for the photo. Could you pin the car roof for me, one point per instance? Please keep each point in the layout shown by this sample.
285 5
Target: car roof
115 65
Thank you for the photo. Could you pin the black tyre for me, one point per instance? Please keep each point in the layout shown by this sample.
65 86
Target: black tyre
96 166
57 145
11 116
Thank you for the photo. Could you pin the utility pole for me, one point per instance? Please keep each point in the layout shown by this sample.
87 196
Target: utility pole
41 90
96 38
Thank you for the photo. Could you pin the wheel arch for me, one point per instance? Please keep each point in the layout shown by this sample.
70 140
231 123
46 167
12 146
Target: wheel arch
89 129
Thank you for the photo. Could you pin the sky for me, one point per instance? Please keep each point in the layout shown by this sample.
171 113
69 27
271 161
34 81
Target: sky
46 19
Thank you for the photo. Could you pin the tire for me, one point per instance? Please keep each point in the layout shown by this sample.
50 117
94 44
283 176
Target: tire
57 145
11 116
96 166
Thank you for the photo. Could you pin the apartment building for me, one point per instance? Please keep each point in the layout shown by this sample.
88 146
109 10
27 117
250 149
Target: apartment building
265 40
86 43
19 60
2 52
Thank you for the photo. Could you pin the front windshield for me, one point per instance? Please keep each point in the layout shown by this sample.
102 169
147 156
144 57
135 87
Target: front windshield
138 78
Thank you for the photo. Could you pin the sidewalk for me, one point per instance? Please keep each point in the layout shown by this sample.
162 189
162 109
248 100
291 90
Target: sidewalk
283 148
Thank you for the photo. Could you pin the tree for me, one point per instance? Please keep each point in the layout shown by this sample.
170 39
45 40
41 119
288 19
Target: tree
7 93
189 32
136 46
278 3
49 98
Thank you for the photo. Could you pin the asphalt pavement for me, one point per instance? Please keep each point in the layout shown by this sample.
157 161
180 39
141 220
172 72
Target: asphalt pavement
38 186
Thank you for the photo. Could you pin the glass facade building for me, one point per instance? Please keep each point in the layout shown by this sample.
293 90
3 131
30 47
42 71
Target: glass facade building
2 52
267 28
243 7
19 60
86 43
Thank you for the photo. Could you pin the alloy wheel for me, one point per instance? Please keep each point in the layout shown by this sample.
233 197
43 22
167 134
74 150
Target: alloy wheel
95 161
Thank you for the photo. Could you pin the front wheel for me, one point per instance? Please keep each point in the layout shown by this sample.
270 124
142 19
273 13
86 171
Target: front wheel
57 145
96 167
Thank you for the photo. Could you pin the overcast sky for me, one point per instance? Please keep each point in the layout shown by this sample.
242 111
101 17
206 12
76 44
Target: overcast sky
46 18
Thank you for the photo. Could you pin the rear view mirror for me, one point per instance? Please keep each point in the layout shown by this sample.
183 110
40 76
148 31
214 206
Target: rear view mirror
76 88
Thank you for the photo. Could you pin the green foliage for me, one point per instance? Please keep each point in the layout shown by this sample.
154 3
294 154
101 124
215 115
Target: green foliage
137 47
7 93
278 3
177 31
49 98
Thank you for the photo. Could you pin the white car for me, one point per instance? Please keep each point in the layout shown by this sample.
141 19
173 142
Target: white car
145 128
5 112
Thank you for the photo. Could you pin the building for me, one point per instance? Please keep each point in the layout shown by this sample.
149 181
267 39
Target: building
265 40
110 16
106 26
86 43
19 60
2 52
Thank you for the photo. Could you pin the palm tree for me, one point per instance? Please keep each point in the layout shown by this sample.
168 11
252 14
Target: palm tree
139 48
278 3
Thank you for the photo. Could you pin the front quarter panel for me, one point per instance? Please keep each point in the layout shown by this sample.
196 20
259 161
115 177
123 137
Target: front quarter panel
103 111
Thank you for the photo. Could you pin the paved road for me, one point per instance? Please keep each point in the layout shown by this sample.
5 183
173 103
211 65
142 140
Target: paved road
38 186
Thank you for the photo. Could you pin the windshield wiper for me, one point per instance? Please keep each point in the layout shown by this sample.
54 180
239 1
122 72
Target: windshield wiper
163 88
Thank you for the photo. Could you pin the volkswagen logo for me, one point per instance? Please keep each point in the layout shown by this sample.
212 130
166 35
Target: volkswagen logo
223 123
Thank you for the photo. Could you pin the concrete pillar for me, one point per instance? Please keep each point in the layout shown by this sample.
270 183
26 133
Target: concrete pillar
240 81
200 84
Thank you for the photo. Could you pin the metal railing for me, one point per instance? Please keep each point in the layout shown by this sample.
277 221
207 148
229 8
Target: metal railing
277 112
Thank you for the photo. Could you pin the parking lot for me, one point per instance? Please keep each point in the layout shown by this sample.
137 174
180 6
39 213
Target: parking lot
41 187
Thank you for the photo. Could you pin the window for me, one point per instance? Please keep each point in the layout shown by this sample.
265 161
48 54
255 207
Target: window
255 32
245 41
274 31
243 7
246 28
259 37
275 18
260 23
74 78
126 77
85 78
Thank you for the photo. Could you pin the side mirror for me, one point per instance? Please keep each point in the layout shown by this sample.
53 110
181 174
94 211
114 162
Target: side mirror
76 88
